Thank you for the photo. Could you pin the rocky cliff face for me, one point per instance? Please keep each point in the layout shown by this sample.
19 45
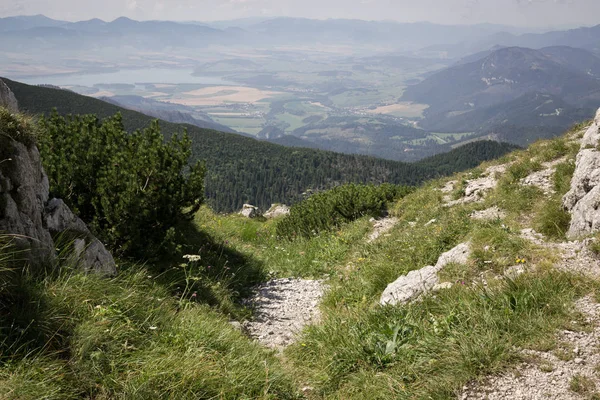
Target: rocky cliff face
23 194
7 98
32 220
583 200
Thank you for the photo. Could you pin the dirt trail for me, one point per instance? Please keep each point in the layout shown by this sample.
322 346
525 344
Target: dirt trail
282 308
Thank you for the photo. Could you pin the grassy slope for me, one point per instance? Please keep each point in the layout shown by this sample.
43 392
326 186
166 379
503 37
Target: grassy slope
244 170
131 337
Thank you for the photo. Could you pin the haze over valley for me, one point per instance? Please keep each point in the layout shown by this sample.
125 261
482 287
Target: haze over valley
401 91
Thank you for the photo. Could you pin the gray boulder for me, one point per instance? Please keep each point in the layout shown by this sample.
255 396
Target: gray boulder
458 255
583 199
277 210
23 193
32 222
89 253
7 98
249 211
417 283
410 286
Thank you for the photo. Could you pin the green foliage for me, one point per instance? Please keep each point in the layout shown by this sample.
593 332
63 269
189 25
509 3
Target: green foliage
521 169
594 245
467 156
129 187
584 386
327 210
127 338
562 177
17 127
552 220
430 349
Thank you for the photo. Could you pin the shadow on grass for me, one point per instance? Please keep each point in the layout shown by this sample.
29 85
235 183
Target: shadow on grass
222 276
26 320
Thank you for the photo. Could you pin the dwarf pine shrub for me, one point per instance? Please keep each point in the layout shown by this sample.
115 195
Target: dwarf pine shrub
129 187
327 210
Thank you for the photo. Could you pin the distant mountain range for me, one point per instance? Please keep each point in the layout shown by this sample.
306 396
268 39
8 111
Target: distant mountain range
124 31
551 87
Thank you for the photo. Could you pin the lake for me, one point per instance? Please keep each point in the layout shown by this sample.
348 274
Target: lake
126 76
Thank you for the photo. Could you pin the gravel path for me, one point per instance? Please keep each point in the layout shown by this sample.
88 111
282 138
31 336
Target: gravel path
282 308
549 376
381 227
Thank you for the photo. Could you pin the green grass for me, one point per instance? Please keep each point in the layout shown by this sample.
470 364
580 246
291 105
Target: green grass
584 386
17 127
162 330
443 342
552 220
127 337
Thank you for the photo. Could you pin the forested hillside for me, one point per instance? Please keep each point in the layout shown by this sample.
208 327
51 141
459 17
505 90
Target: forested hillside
244 170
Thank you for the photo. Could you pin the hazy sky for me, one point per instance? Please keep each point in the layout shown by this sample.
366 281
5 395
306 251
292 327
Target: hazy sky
512 12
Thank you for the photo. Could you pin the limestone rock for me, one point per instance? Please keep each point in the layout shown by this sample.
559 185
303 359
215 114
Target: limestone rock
416 283
583 200
442 286
60 219
381 227
476 189
23 192
410 286
89 253
458 255
489 214
277 210
249 211
7 98
32 221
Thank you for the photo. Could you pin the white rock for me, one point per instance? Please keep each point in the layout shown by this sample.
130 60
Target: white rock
249 211
489 214
277 210
416 283
442 286
410 286
583 200
458 255
382 226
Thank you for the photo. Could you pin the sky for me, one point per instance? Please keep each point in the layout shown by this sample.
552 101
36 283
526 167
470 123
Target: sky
539 13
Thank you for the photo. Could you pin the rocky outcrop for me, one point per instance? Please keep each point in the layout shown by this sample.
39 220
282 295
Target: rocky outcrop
7 98
249 211
89 253
475 189
23 194
410 286
489 214
416 283
277 210
381 227
34 222
583 200
458 255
